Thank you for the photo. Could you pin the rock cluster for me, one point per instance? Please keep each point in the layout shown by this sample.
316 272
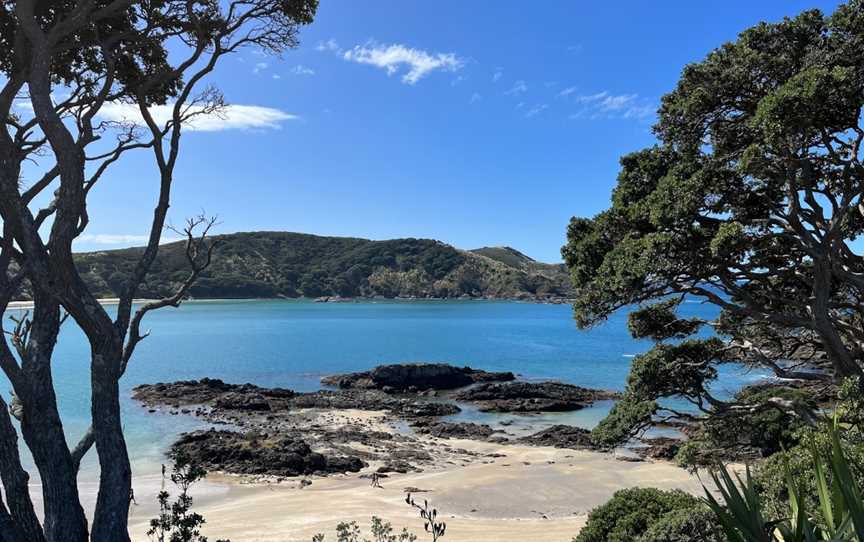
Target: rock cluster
531 396
560 436
414 377
250 398
439 429
253 453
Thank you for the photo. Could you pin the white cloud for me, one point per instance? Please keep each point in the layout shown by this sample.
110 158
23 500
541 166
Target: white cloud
536 110
607 105
499 73
567 92
276 76
475 98
519 87
300 69
231 117
259 67
575 49
120 239
329 45
394 57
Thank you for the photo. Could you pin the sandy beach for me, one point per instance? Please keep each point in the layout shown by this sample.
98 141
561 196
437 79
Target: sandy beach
511 493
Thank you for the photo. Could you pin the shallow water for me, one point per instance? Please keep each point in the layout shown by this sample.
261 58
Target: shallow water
293 343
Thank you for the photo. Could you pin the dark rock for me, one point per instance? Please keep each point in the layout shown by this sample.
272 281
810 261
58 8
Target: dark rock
251 398
413 377
401 467
454 430
531 396
242 401
251 453
560 436
660 448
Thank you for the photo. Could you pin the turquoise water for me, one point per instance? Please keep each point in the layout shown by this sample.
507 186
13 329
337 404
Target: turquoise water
293 343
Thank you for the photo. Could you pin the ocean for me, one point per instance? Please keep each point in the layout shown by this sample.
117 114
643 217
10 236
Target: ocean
293 343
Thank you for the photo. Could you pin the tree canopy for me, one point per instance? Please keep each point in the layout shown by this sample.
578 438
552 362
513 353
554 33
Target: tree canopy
61 63
751 201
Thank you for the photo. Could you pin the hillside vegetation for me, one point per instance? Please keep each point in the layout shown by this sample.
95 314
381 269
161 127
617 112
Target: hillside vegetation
280 264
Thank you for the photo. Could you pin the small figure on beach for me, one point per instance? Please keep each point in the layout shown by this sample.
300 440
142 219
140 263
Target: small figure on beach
376 480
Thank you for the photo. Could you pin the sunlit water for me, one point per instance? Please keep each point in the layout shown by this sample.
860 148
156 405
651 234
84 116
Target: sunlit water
294 343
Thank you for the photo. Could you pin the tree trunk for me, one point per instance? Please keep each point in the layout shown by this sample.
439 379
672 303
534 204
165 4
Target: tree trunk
19 523
42 429
110 521
841 358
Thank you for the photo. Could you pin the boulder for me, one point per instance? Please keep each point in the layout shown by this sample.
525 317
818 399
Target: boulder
415 377
531 396
242 401
252 453
560 436
470 431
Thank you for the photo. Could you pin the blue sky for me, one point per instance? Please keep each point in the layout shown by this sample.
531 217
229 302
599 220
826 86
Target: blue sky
476 123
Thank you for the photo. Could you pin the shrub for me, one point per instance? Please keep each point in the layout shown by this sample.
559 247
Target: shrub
631 513
837 515
176 521
685 525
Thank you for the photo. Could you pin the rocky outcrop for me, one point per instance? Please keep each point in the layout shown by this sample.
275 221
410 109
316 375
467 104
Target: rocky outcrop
660 448
249 398
209 390
413 377
560 436
531 396
252 453
438 429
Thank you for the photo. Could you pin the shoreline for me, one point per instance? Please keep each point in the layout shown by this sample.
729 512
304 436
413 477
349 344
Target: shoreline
109 301
510 492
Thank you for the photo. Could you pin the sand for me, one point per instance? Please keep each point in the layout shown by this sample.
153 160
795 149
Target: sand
528 493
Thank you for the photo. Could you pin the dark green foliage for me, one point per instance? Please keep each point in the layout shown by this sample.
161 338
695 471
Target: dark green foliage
684 369
658 321
176 521
627 417
822 502
697 524
749 202
771 480
631 513
748 434
277 264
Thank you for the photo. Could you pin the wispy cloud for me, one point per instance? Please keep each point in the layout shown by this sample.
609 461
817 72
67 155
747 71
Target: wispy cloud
518 88
498 74
567 92
276 76
417 63
476 97
260 67
300 69
329 45
536 110
575 49
231 117
120 239
607 105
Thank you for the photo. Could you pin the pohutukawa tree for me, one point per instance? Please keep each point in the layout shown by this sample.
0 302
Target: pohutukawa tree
63 62
751 202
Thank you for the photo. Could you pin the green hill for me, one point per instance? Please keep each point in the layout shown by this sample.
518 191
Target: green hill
280 264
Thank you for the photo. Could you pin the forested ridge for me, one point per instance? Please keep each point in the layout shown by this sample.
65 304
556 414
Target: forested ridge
283 264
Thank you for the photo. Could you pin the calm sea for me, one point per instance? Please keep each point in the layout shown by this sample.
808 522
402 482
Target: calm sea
293 343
